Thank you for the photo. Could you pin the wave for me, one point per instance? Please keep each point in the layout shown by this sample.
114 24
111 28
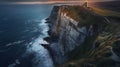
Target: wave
8 46
45 27
14 43
41 55
14 64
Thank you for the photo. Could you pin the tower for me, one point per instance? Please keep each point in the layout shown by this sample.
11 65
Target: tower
85 4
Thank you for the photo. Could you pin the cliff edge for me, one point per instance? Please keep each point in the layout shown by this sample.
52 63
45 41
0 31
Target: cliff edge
81 38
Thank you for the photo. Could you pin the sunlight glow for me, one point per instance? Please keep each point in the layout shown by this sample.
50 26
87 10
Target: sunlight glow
50 2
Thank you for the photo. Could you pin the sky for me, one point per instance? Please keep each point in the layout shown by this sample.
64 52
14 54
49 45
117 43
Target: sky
46 0
49 1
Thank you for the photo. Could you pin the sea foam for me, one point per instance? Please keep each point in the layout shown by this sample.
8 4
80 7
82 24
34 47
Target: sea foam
42 57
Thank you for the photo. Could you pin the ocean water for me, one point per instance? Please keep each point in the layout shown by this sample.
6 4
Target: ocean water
22 30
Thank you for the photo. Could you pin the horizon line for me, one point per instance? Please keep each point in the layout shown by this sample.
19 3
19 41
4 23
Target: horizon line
51 2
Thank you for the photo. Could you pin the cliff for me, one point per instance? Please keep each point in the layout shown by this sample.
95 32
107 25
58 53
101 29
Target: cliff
76 32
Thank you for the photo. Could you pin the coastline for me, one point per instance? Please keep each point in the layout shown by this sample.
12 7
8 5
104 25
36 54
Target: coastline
49 40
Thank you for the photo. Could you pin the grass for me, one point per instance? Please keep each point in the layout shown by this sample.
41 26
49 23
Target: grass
84 16
84 54
105 12
83 50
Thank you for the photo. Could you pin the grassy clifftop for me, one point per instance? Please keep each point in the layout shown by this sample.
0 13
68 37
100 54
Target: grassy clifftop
83 15
105 12
90 54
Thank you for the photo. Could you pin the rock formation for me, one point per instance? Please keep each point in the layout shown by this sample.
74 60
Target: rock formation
76 32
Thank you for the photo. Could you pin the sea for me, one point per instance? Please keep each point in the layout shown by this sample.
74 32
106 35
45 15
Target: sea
22 29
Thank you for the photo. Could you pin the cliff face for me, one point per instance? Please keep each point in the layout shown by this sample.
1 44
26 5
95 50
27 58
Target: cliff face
74 33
